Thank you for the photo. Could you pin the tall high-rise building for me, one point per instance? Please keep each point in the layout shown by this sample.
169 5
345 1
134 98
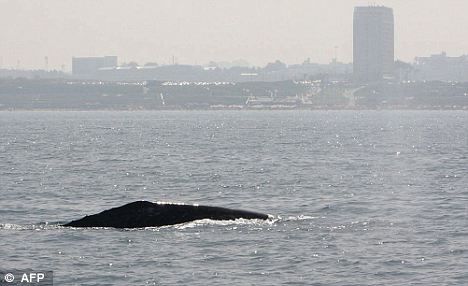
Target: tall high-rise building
373 43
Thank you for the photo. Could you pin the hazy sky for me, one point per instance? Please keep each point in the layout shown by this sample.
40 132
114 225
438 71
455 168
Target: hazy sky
198 31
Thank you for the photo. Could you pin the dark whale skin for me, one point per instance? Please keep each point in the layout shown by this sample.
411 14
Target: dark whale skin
141 214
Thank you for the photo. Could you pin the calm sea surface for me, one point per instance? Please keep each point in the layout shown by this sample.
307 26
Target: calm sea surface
358 198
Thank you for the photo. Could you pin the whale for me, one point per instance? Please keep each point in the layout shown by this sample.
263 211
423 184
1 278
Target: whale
141 214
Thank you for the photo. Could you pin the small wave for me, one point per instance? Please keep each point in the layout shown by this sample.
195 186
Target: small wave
39 226
241 221
192 224
293 218
174 203
210 222
299 217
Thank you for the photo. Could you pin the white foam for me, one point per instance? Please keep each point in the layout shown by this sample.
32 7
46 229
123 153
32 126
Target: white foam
301 217
172 203
239 221
41 226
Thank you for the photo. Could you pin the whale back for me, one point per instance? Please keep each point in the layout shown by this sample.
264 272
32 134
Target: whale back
147 214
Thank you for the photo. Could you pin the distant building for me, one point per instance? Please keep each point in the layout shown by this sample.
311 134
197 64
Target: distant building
441 67
90 65
373 43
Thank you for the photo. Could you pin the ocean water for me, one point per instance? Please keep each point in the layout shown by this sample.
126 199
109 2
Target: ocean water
356 197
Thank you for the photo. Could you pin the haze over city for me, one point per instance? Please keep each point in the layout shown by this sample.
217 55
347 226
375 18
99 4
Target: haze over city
196 32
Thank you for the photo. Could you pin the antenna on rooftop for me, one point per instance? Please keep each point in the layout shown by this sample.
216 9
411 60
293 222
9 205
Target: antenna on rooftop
46 63
335 56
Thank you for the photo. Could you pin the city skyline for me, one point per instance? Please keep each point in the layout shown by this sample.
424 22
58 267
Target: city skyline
196 32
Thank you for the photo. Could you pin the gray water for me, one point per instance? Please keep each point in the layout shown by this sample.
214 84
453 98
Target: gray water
357 198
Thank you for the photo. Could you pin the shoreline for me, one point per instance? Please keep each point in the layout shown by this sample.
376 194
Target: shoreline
465 108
